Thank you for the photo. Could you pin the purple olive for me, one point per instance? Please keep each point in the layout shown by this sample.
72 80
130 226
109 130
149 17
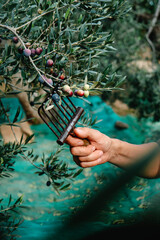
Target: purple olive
27 52
39 50
48 183
20 50
49 80
55 74
49 63
41 80
15 39
75 92
33 52
55 97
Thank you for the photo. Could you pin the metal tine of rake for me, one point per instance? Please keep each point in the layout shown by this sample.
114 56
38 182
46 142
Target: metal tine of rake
54 111
41 115
55 120
65 109
71 122
57 105
53 116
50 119
68 104
55 90
71 103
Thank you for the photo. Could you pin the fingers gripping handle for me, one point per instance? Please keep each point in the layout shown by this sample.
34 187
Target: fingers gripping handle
85 140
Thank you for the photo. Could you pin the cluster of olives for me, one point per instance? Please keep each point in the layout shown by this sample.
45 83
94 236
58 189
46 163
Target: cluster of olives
27 51
33 52
49 63
77 92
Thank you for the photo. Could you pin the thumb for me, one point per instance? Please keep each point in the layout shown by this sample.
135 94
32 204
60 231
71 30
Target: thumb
88 133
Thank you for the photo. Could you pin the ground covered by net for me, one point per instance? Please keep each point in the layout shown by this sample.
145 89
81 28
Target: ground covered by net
47 213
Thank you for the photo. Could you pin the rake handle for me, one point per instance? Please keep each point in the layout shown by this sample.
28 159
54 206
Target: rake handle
69 129
70 126
86 142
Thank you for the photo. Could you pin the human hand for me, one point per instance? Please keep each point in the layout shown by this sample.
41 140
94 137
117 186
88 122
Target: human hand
97 152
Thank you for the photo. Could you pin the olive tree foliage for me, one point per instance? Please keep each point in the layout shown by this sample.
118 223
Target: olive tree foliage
74 35
69 32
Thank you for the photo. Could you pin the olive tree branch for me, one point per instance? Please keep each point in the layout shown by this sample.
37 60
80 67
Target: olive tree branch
13 30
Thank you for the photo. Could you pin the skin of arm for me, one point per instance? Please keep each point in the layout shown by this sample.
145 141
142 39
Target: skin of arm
104 149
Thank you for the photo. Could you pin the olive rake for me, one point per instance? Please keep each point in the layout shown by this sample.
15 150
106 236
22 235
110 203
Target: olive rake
60 115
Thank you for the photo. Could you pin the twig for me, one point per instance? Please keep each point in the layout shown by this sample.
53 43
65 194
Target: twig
39 16
153 23
7 209
5 3
43 32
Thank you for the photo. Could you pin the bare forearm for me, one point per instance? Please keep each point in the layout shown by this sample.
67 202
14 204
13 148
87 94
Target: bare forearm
103 149
125 154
